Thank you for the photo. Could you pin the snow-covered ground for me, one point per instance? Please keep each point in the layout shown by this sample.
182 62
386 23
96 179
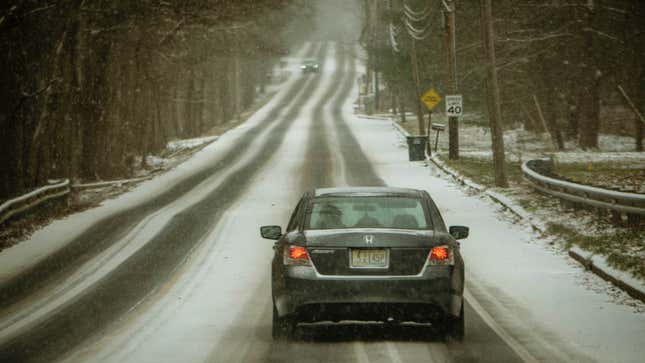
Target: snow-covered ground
216 308
177 145
636 159
613 166
531 287
476 137
475 142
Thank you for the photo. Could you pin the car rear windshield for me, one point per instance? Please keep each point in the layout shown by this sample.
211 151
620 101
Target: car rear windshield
366 212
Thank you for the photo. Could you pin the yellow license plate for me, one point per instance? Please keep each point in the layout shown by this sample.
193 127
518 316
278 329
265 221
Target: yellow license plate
369 258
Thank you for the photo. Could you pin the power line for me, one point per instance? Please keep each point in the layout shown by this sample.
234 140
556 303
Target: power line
418 34
393 31
412 16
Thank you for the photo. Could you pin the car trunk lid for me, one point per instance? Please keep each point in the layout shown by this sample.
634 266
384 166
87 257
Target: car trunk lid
371 251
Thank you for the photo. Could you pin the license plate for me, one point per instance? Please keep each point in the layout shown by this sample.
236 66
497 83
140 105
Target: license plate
369 258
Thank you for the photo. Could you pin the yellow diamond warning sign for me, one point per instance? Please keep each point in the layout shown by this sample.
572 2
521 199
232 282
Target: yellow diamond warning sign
431 99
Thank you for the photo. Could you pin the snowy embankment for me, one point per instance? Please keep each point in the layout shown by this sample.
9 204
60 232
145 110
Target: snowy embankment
531 287
179 145
476 137
596 263
55 235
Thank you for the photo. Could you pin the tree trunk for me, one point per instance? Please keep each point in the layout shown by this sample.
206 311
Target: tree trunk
401 107
572 119
530 124
588 103
189 118
494 109
549 113
417 89
589 115
640 104
453 122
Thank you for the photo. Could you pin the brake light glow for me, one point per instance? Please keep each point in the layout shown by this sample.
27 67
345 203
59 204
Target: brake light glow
296 255
440 255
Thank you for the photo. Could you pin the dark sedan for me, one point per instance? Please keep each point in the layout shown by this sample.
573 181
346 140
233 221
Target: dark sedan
367 254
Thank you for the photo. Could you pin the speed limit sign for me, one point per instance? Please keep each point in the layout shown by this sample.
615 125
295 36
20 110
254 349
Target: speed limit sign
454 105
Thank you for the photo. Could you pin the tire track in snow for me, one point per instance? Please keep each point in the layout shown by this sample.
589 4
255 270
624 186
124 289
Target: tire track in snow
105 232
153 263
484 344
244 340
318 160
87 272
358 169
315 171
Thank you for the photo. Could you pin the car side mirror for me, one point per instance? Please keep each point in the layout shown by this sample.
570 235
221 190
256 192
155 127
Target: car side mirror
271 232
459 232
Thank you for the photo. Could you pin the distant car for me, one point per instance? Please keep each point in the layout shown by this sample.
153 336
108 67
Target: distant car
310 66
367 253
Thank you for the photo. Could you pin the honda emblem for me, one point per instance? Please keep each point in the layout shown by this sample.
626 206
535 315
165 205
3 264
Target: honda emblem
369 239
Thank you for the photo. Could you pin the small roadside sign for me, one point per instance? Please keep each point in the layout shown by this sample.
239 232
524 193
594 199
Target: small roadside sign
431 99
454 105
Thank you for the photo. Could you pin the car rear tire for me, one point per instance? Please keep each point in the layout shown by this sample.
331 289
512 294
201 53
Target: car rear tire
456 326
283 328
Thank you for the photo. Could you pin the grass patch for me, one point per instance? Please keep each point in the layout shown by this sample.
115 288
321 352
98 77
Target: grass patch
615 175
624 249
482 170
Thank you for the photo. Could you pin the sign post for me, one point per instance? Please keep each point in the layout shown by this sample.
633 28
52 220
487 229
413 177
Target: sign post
454 109
431 99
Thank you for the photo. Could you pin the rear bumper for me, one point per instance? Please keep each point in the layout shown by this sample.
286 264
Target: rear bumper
309 296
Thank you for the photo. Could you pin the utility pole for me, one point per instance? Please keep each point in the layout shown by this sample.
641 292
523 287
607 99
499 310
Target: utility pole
417 84
451 60
377 91
494 109
373 13
376 26
428 131
237 79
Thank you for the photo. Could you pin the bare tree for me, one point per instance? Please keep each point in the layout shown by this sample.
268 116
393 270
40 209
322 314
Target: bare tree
494 109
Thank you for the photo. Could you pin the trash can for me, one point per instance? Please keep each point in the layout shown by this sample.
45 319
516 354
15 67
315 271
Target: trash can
417 147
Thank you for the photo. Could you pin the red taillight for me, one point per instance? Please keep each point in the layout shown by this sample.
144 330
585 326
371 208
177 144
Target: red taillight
440 255
298 253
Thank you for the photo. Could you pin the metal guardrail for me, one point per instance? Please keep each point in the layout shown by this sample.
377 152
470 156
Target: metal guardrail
32 199
628 203
59 189
108 183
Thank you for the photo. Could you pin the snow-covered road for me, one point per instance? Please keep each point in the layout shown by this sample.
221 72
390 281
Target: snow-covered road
183 276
